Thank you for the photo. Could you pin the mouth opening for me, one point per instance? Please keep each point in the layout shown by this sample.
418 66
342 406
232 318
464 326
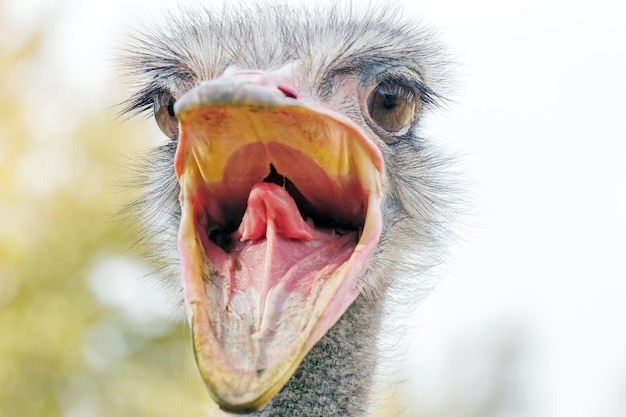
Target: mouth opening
224 235
280 215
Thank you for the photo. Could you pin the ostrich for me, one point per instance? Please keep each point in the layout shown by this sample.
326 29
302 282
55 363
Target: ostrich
293 191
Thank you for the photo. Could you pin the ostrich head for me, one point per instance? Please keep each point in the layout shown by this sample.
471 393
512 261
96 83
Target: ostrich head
294 180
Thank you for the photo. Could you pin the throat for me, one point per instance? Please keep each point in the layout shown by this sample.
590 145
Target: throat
274 177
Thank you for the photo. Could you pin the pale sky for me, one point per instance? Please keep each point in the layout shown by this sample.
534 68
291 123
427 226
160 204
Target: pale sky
539 120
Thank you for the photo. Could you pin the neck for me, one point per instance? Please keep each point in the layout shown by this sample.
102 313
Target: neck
336 377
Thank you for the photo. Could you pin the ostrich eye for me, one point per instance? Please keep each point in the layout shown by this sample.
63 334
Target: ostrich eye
392 106
164 115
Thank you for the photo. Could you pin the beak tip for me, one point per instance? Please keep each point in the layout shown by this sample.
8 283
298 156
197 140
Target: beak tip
240 408
233 402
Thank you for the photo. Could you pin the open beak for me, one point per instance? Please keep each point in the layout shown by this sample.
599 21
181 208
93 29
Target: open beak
280 215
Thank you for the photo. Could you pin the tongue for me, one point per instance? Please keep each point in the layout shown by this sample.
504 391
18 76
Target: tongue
275 247
271 211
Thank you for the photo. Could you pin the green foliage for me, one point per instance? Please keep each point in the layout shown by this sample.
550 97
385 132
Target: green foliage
63 351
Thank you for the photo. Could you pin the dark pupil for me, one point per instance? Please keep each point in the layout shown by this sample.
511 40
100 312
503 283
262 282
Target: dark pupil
389 101
170 109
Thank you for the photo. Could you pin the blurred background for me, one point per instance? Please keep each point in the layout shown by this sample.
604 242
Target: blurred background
528 319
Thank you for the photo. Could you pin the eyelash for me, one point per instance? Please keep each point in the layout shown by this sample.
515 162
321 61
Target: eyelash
418 91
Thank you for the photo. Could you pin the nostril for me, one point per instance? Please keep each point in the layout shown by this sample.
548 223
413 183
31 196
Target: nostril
288 92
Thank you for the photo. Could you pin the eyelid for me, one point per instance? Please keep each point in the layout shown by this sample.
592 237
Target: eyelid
397 88
162 97
408 78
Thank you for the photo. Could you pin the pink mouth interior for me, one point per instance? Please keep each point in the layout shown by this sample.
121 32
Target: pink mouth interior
260 230
274 244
